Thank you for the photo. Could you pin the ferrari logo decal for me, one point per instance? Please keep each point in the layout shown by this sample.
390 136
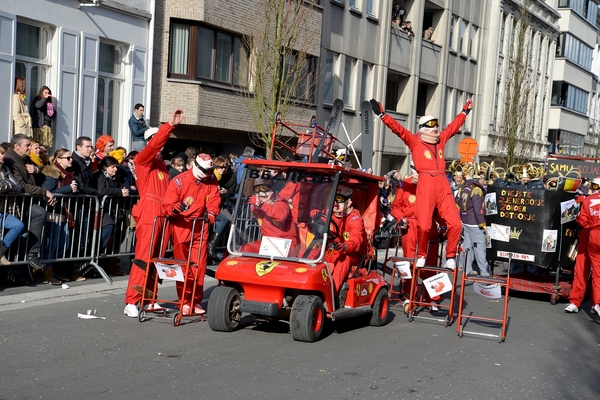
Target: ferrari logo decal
346 236
264 267
300 270
324 274
440 154
370 287
189 200
427 154
412 198
357 290
161 176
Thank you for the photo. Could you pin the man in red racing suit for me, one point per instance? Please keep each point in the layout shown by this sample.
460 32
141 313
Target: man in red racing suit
152 180
588 251
350 245
403 210
190 195
433 190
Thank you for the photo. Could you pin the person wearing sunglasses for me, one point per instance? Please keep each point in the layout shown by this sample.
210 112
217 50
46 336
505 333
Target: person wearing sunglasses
273 214
433 190
152 180
58 178
588 252
350 245
190 195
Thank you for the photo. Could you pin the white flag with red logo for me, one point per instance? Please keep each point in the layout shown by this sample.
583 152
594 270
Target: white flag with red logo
492 291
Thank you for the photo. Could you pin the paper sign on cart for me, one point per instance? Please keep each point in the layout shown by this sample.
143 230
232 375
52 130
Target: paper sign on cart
492 291
500 232
170 272
437 284
403 268
273 246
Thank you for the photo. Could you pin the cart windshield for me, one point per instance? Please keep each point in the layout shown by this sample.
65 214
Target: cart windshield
282 214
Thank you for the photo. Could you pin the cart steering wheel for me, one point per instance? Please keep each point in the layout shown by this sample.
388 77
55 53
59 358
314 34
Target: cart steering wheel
317 226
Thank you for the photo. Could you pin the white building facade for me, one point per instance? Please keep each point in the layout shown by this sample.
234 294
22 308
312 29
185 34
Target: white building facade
93 55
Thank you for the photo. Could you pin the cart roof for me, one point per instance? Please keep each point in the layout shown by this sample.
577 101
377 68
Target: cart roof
318 168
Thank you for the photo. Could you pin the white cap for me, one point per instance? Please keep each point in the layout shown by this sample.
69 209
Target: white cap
203 162
344 191
596 180
425 118
149 133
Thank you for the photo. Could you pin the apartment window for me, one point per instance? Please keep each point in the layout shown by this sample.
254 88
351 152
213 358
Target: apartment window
32 61
370 8
110 80
202 52
462 42
452 38
301 76
349 82
496 104
574 50
330 77
449 111
569 96
353 4
366 82
539 54
502 32
585 8
469 121
473 40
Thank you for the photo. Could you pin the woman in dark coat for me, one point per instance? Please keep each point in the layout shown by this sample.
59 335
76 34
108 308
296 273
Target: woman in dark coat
43 120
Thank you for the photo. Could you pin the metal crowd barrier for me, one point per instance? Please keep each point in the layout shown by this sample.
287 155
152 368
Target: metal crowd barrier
73 228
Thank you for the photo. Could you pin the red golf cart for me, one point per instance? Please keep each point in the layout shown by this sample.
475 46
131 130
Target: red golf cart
277 278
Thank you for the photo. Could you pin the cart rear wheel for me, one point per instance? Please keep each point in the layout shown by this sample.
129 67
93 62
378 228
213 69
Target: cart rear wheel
447 321
407 308
224 313
381 308
176 318
307 318
411 317
278 117
142 315
554 300
460 332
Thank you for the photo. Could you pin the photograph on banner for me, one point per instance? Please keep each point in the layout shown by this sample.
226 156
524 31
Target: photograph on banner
488 237
500 232
437 284
491 206
272 246
403 268
568 211
550 239
493 291
170 272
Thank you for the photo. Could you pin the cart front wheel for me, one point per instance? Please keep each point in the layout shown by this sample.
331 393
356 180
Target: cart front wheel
142 315
410 316
176 318
224 313
381 308
307 318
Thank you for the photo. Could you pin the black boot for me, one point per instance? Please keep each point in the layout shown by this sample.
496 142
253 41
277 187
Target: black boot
212 243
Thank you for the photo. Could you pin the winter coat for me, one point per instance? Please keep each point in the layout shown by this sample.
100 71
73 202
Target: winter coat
41 114
21 117
83 174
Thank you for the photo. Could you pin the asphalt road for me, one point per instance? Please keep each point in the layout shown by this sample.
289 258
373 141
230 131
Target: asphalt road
47 352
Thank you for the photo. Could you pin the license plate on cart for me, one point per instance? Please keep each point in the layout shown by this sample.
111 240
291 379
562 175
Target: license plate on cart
516 256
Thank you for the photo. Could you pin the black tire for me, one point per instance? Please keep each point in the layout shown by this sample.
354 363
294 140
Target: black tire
224 313
460 332
447 321
410 316
554 300
381 308
307 318
142 315
176 318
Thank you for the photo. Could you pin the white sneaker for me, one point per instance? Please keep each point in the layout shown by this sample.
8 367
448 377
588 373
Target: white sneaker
154 306
572 308
131 310
596 309
420 262
450 264
433 307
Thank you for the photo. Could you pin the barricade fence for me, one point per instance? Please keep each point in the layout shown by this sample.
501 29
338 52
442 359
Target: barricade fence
78 228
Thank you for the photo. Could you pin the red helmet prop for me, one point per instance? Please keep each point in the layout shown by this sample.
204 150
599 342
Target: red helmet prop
203 163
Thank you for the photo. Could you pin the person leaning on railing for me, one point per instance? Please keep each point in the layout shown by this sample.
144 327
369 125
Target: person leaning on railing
14 226
15 160
59 179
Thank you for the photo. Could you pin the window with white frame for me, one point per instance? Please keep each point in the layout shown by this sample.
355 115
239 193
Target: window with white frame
202 52
32 58
371 7
449 110
453 28
462 42
354 4
330 77
502 33
366 82
473 40
349 82
466 128
110 82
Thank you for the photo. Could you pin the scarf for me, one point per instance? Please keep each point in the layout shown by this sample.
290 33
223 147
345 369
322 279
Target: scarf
49 109
36 159
108 176
217 174
68 176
